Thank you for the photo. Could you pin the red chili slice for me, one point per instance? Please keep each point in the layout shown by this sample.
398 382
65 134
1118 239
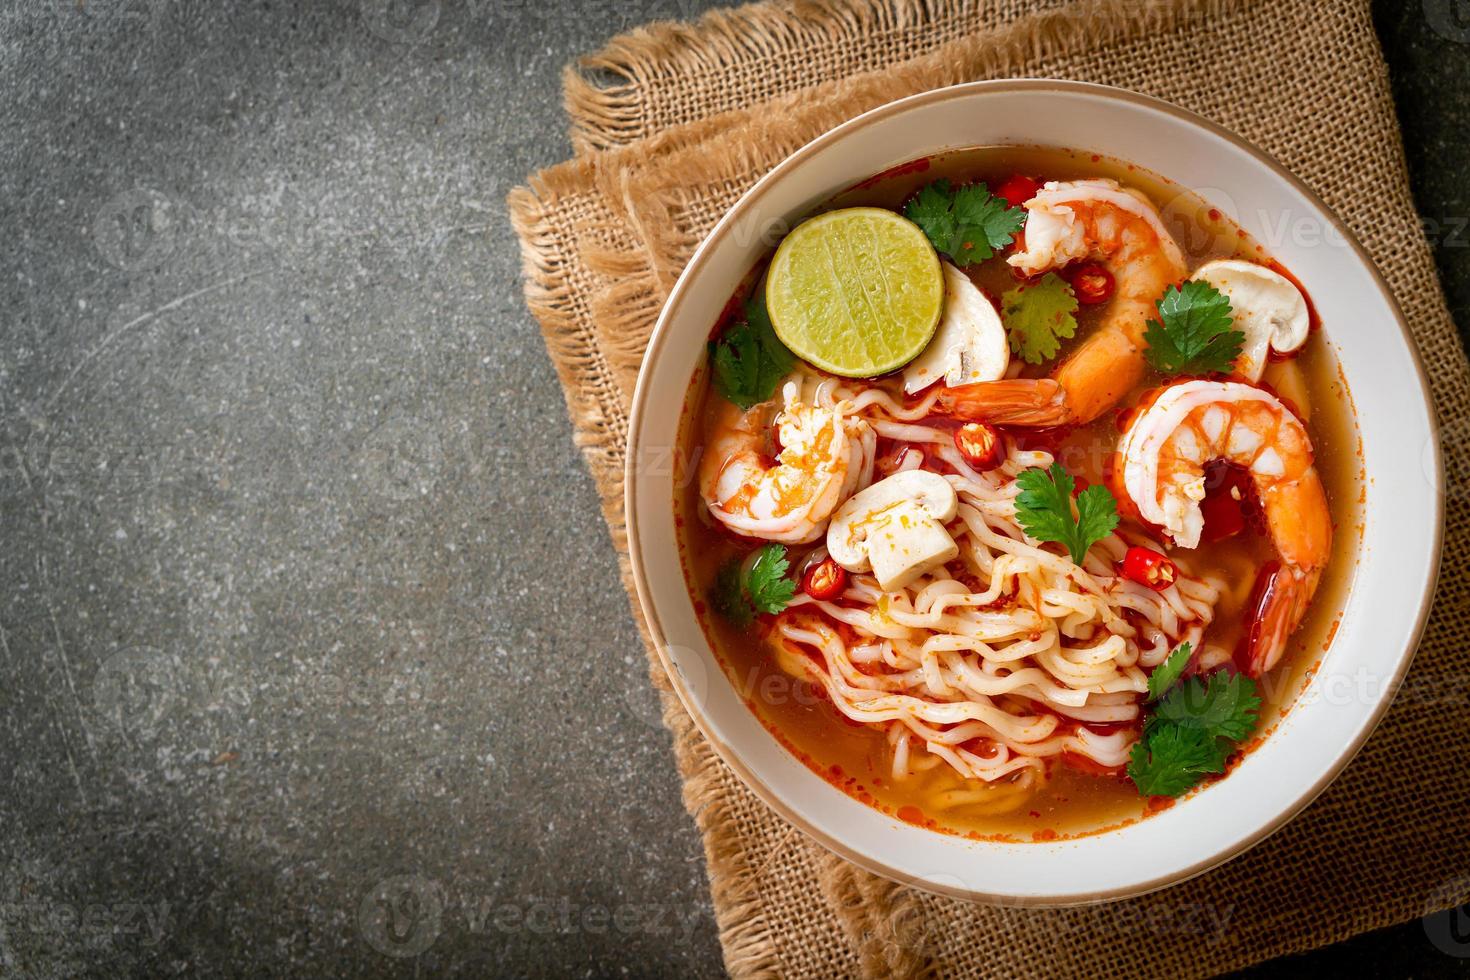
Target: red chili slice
981 445
1147 567
825 580
1018 189
1092 283
1228 500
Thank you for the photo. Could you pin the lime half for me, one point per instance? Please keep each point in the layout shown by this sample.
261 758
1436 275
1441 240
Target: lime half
857 292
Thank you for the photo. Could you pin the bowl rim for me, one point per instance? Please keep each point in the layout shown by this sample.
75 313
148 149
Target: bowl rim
662 330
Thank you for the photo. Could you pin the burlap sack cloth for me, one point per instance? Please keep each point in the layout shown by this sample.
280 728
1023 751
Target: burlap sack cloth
681 120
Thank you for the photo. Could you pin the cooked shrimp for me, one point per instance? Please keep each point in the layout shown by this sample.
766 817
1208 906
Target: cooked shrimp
1070 221
1159 472
825 453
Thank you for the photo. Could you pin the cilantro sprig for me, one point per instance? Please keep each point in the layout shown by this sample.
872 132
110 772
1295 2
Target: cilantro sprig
1038 317
968 223
1195 332
741 592
1191 732
1044 510
1224 705
1171 760
749 358
1167 673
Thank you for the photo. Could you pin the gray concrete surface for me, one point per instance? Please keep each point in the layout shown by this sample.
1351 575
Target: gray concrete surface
313 660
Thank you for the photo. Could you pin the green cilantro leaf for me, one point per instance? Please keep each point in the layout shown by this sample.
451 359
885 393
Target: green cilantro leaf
932 209
1168 672
728 595
1192 731
1038 317
986 223
1194 333
1044 505
1097 515
969 224
769 588
1170 760
740 593
1044 510
1224 706
749 358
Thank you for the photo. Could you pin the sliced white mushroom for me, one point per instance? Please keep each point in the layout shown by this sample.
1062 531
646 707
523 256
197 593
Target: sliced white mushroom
969 346
895 528
1268 309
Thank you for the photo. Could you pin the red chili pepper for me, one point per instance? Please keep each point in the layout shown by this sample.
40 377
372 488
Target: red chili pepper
1018 189
824 580
1147 567
1228 491
1224 517
1092 283
981 445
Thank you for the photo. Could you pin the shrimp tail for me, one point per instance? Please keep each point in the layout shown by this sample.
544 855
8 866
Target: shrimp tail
1018 401
1090 381
1301 528
1279 600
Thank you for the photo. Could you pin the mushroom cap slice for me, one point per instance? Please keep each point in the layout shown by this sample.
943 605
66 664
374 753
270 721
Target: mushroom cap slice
1268 308
970 345
895 528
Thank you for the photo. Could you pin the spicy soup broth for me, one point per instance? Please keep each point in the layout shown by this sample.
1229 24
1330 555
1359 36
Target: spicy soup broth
857 757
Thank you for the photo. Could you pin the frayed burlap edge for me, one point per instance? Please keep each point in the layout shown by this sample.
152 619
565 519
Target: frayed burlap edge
603 90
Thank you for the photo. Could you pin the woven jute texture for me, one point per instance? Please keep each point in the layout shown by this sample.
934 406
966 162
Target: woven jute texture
673 123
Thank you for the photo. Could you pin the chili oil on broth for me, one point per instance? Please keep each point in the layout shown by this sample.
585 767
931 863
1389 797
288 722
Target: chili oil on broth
857 758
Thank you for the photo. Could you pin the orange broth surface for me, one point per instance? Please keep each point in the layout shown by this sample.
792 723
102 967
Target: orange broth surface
855 757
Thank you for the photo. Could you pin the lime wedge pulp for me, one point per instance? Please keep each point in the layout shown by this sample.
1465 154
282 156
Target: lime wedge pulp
856 292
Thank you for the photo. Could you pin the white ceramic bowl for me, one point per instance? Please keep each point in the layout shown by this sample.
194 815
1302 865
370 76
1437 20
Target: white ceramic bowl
1385 607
